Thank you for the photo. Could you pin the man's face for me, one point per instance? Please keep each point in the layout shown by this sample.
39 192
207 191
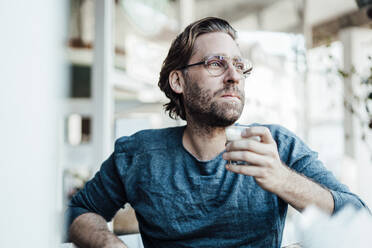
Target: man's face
217 101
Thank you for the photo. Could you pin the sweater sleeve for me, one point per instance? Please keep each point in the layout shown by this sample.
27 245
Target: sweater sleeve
299 157
103 195
311 167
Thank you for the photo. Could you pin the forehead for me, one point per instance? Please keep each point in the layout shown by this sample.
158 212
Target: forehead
215 43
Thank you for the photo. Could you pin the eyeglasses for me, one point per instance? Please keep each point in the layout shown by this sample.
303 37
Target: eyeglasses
216 65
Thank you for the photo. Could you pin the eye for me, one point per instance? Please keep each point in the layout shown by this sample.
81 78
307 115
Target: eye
215 63
239 66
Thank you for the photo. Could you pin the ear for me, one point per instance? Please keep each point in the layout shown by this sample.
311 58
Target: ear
176 81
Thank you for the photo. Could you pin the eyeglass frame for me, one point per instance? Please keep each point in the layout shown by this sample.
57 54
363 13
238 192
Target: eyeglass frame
244 75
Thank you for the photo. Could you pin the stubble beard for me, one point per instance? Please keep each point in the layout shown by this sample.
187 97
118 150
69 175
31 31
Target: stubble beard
204 110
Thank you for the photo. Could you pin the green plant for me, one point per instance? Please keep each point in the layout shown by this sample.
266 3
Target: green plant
360 102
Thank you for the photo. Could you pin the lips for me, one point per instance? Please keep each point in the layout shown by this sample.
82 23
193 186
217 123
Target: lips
231 95
229 92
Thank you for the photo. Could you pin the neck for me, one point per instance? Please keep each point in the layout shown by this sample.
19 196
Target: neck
203 141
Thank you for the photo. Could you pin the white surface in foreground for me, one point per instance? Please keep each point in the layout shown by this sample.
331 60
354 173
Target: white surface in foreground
348 228
131 241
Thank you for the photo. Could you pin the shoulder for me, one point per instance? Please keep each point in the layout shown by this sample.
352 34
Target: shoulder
148 139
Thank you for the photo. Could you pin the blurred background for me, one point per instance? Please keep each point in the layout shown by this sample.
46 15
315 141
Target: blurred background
76 75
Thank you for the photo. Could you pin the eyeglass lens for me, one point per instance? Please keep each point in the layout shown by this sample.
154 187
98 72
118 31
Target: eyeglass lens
217 65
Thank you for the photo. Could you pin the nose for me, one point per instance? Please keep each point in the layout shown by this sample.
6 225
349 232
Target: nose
232 76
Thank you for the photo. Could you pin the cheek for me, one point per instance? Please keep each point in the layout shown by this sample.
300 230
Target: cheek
242 89
214 84
206 85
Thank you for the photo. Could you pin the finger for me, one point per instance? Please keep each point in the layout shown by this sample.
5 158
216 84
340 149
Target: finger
246 156
261 131
248 170
247 144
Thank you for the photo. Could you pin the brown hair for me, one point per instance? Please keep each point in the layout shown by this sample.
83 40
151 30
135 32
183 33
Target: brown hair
179 55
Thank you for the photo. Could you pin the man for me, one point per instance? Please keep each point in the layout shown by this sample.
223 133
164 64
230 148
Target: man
178 180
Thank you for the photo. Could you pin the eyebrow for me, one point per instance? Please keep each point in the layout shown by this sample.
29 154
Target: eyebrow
221 54
215 54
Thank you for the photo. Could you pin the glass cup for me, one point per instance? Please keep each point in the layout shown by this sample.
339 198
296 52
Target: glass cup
235 133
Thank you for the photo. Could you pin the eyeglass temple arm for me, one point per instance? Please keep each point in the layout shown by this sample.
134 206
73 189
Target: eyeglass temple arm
186 66
248 71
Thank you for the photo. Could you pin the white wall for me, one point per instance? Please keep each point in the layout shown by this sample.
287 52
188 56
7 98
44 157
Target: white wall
32 75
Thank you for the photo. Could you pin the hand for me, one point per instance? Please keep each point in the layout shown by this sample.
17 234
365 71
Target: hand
263 160
121 245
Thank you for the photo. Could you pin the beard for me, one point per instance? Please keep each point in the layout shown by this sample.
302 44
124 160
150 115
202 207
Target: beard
202 108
